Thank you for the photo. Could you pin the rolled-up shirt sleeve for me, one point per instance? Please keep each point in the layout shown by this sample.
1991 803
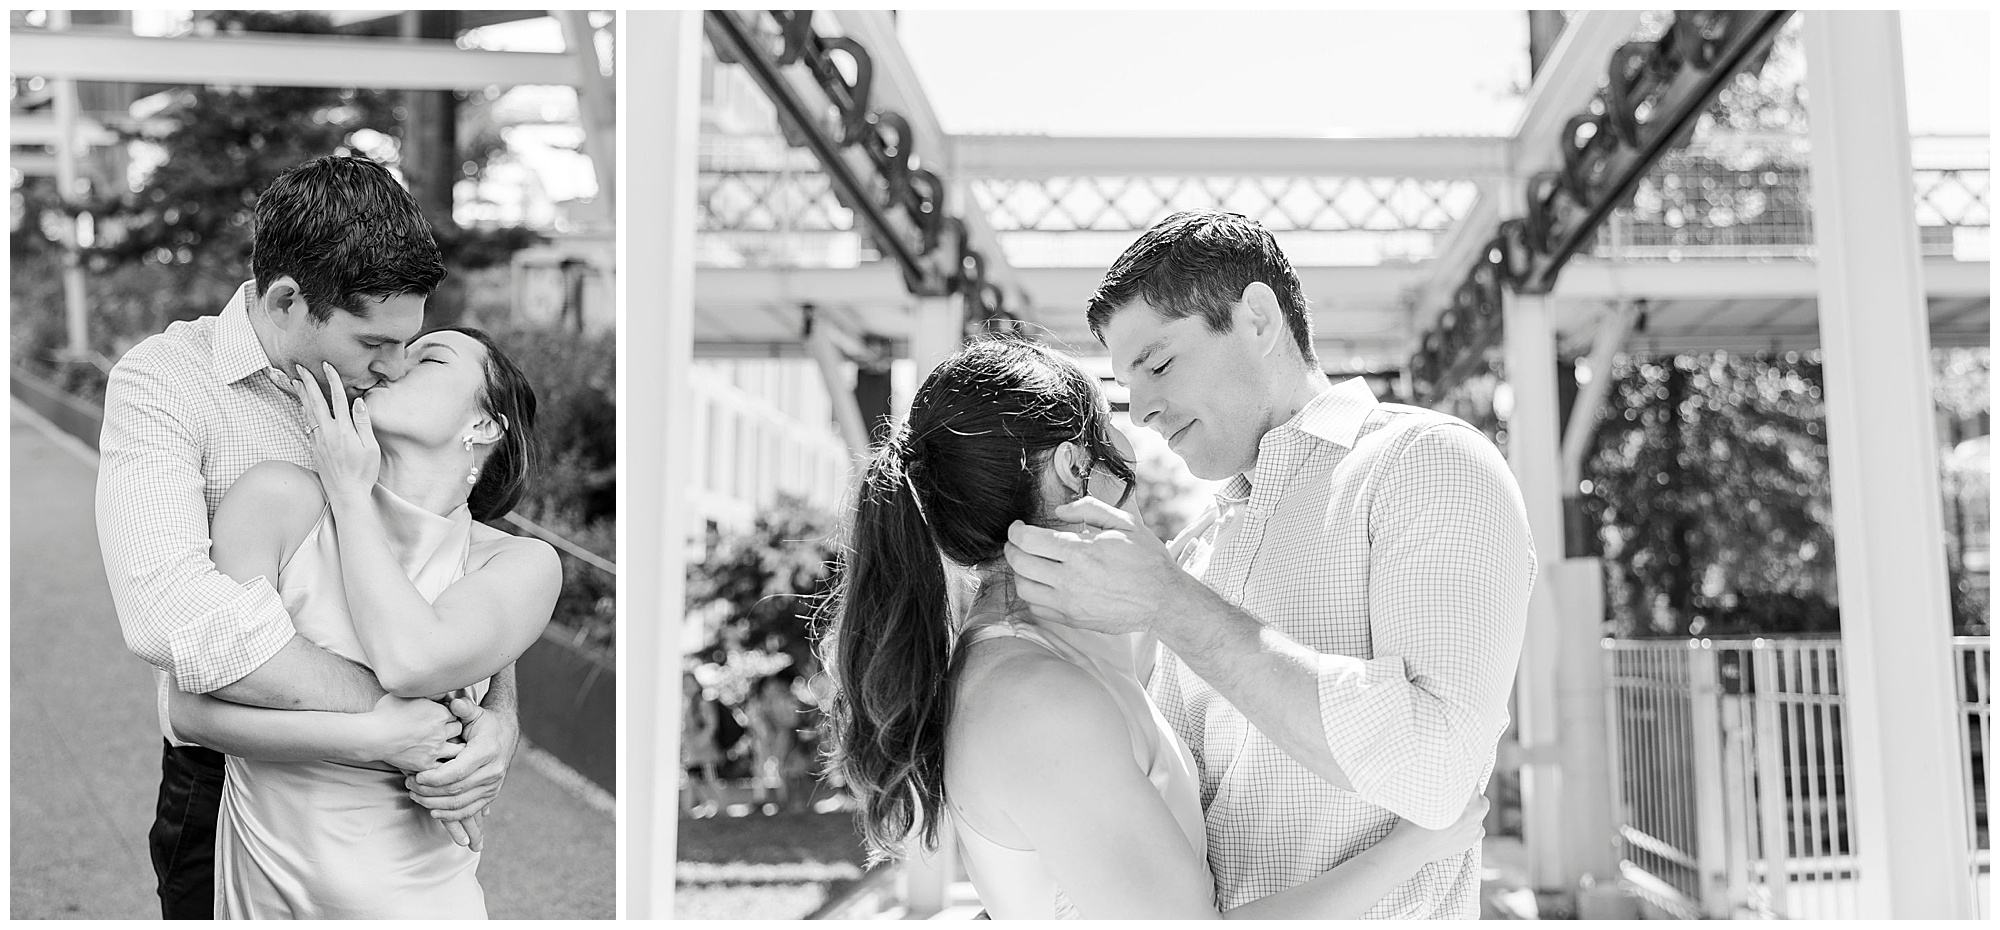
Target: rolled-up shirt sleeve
1451 564
176 610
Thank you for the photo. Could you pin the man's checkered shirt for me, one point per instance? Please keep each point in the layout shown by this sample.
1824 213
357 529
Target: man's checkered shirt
1391 534
186 413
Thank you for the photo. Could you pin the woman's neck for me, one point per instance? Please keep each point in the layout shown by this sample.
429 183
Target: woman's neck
431 479
998 602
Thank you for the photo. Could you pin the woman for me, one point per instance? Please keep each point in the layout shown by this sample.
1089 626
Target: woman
378 559
1071 795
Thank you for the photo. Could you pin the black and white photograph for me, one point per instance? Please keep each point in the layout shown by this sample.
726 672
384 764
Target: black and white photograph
1321 465
314 464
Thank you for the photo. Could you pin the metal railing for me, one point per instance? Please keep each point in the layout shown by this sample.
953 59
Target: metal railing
1730 766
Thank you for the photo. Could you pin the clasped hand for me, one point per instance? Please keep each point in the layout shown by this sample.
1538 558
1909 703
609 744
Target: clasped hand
461 789
1111 576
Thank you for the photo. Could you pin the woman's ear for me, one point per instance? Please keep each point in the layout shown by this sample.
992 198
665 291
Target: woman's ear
1071 462
487 430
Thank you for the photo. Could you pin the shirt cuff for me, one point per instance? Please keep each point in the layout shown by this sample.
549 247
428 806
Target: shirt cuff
1361 704
233 641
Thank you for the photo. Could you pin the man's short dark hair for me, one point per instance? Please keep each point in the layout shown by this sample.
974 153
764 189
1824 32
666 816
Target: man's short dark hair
343 228
1197 263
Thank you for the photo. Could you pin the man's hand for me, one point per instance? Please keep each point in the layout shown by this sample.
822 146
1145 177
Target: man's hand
417 734
1113 576
458 789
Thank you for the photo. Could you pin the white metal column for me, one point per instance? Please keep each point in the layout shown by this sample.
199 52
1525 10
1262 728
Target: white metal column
596 105
1534 447
76 294
1906 801
663 116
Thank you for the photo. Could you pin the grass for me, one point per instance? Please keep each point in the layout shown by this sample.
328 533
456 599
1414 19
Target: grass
782 867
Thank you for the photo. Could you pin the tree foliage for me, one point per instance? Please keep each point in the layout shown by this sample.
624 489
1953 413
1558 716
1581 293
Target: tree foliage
1709 483
759 586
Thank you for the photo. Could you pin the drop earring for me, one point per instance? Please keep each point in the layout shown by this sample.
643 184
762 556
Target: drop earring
471 477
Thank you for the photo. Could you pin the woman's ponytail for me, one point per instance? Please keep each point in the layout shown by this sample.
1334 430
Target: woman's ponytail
891 659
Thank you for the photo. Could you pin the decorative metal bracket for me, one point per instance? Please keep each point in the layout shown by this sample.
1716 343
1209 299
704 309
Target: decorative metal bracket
1655 93
902 204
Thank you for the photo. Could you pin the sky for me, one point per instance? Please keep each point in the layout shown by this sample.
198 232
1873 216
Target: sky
1309 73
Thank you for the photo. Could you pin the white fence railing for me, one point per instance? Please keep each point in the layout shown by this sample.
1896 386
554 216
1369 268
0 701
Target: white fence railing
1730 767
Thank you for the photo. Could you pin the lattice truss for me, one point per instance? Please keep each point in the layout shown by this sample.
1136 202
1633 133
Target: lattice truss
1703 199
1281 204
755 184
1731 199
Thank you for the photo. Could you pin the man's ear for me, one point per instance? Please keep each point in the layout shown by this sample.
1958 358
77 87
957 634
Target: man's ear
284 302
1266 318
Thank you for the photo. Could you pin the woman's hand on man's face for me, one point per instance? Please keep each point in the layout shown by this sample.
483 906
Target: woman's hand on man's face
345 453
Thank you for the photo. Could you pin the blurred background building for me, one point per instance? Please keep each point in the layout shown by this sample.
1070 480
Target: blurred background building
139 141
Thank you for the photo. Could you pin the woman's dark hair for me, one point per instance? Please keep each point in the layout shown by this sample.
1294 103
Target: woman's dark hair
510 400
343 228
964 466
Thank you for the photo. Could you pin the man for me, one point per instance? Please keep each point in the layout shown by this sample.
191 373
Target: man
1341 631
343 262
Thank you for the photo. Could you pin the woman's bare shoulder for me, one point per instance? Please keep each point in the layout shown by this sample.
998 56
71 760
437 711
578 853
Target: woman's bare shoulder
1017 700
277 494
519 552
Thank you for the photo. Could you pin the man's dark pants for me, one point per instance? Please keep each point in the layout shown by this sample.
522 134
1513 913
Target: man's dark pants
183 835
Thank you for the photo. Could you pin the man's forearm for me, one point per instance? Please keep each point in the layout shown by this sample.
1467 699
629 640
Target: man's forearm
502 695
1272 680
302 676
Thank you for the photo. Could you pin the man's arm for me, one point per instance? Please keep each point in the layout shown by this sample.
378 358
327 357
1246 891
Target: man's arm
464 786
211 633
1451 566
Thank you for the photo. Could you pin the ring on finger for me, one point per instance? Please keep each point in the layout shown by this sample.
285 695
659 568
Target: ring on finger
309 429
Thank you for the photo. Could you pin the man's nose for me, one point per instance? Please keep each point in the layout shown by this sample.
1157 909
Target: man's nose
1144 406
392 366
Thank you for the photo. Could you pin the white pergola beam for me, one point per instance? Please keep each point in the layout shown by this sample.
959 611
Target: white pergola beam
1355 304
1611 332
1907 796
656 261
597 107
41 129
1533 445
1742 280
280 61
1037 157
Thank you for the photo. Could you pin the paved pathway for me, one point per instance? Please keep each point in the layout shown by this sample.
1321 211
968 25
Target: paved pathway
86 756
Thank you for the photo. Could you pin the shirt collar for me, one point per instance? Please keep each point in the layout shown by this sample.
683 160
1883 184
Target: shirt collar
1334 415
238 354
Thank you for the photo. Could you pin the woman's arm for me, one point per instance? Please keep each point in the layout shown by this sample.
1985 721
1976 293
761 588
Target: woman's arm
1050 750
1352 887
383 734
420 647
476 627
263 518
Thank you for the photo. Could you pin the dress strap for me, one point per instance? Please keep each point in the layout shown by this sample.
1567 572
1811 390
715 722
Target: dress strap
1003 629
